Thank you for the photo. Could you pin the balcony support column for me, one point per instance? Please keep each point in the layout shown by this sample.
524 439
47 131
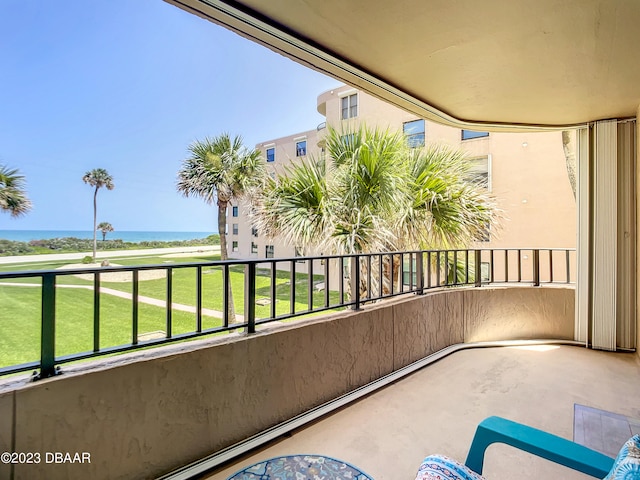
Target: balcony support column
606 201
637 231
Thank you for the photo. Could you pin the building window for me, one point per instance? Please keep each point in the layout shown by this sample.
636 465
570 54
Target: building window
268 251
479 172
348 140
271 154
349 106
408 267
469 134
414 131
485 272
234 246
254 231
234 211
484 235
301 148
254 248
235 229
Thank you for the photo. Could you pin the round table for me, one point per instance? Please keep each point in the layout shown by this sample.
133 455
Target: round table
301 467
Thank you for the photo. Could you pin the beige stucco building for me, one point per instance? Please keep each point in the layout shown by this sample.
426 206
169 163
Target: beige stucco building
525 171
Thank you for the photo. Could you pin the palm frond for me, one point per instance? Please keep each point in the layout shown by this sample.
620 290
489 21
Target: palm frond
99 177
13 197
375 193
220 167
293 205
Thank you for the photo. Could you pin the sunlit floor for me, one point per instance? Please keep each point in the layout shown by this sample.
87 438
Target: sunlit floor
436 410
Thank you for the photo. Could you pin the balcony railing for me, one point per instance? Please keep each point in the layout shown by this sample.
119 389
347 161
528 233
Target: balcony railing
274 290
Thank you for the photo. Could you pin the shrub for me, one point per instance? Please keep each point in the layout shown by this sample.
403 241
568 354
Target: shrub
10 248
73 244
88 259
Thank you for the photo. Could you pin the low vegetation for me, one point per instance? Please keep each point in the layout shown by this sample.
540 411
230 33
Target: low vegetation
72 244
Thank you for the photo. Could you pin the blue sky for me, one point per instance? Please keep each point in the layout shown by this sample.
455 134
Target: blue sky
126 86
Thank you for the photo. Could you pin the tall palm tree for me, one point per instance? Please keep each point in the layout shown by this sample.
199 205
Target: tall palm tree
104 227
13 197
372 192
221 169
97 178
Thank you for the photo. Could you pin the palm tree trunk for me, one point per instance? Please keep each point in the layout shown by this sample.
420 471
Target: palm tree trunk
95 224
222 224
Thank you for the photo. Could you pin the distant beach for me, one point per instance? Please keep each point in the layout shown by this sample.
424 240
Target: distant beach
125 236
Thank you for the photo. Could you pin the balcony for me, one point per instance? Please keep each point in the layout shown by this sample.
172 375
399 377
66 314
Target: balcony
149 412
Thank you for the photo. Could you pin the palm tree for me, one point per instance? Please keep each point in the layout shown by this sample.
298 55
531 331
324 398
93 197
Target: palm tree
104 227
221 169
373 193
13 197
97 178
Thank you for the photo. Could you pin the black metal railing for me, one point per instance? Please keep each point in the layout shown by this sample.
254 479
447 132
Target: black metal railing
273 290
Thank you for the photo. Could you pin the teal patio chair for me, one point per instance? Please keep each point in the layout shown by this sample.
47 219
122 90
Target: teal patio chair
537 442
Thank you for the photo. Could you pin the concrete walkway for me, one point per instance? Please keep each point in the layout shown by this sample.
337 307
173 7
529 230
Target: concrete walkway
55 257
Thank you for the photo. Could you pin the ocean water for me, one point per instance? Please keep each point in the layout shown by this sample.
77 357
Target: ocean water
126 236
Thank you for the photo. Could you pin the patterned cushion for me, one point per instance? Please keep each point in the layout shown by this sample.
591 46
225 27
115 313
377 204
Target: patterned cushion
439 467
627 464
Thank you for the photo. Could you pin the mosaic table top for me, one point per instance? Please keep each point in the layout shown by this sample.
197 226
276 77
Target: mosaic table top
301 467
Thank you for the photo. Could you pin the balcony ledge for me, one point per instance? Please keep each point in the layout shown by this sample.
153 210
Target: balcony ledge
161 409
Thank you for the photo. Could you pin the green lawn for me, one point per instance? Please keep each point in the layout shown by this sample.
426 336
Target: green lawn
20 322
20 306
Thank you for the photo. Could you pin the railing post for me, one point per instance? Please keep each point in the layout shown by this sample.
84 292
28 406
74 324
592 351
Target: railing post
199 298
226 301
536 268
326 282
466 267
310 285
273 290
455 267
420 273
48 332
96 312
250 296
355 281
169 311
478 268
292 287
134 308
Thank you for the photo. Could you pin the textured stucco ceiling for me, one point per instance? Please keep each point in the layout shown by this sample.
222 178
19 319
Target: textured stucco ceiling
542 62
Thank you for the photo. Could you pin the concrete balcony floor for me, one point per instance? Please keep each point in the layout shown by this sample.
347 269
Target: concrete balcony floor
436 410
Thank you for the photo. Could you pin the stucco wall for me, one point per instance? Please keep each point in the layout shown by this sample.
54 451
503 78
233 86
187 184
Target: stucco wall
145 414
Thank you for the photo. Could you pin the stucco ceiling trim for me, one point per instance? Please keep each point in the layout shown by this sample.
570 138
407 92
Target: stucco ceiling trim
253 26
